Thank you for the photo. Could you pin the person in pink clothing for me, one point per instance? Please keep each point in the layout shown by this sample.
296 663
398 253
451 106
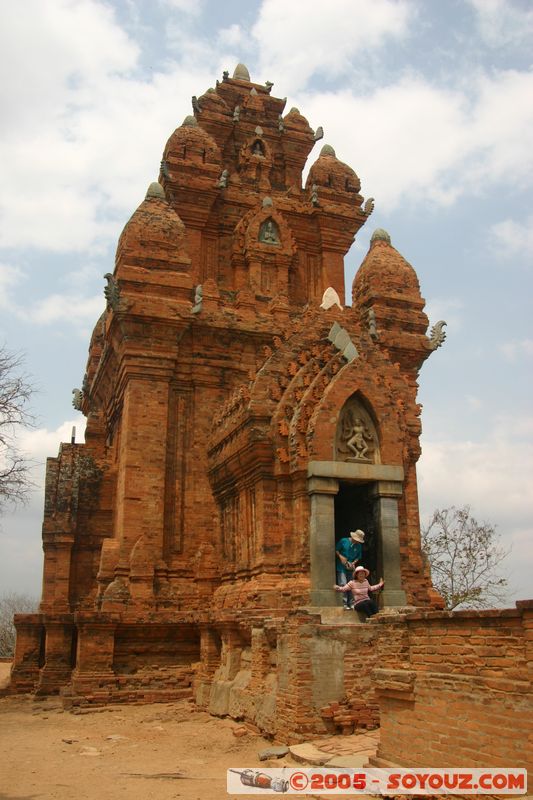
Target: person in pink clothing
360 587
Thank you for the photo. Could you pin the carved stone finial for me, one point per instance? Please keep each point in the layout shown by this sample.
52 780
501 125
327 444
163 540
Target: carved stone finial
330 298
241 73
380 235
189 122
111 291
328 150
77 397
155 190
437 335
268 86
318 134
368 206
294 110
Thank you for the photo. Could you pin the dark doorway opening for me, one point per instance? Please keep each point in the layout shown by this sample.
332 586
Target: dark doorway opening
353 510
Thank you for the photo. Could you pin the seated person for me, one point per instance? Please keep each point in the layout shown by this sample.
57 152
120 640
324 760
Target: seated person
359 588
349 551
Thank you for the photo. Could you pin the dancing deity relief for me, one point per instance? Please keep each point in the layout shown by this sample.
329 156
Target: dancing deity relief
356 436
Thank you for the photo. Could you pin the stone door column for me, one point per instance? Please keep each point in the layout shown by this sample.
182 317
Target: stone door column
322 493
385 495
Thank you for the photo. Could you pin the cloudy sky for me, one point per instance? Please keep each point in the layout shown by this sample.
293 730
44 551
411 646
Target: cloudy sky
430 102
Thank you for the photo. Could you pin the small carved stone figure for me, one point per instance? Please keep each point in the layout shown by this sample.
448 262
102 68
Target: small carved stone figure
357 442
268 86
196 107
164 169
281 124
225 75
314 195
372 329
258 149
77 397
223 180
198 298
236 113
268 233
319 134
111 291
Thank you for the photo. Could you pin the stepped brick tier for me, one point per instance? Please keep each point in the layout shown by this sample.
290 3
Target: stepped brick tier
239 421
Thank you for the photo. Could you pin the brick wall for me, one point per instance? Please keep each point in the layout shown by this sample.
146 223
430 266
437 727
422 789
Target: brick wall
455 688
294 678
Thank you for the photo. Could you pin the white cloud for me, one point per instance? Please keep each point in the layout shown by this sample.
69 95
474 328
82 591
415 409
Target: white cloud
41 443
234 36
495 478
9 278
473 402
192 7
69 180
503 22
517 349
50 48
71 307
514 239
20 529
418 142
329 36
85 135
65 308
448 309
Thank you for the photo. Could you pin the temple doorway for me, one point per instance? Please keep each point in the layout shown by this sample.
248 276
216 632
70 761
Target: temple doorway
353 510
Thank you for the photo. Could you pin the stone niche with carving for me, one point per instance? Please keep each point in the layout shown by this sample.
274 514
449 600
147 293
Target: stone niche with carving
269 232
357 439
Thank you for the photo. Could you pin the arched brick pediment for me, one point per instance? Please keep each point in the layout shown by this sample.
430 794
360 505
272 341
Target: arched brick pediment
296 400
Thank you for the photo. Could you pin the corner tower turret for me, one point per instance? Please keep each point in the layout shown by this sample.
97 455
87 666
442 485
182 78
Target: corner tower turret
386 293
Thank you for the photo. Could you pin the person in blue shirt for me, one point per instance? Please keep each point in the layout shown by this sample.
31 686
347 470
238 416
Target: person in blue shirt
348 552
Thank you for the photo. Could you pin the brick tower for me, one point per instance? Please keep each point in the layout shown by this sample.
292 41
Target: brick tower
239 419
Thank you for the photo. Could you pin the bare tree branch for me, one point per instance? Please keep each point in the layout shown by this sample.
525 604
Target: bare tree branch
465 559
11 604
15 393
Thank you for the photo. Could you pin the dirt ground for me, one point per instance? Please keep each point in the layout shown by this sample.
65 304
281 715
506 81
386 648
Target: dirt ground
162 751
